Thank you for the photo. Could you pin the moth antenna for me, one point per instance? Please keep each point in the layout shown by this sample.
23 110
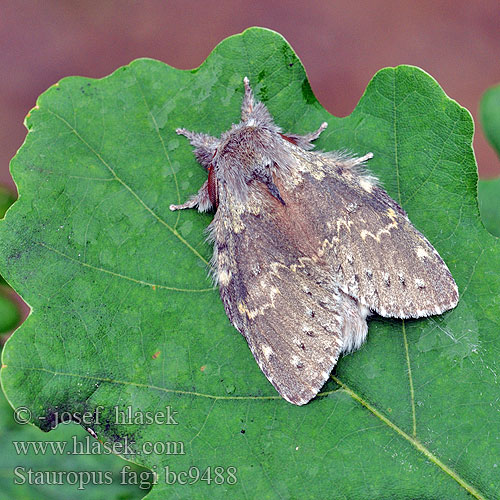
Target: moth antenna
248 101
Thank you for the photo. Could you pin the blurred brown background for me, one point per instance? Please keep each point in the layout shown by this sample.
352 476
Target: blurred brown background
341 44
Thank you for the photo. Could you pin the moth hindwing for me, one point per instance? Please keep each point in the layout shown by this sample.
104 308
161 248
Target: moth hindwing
306 246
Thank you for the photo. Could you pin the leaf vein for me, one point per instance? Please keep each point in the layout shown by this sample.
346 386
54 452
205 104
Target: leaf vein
412 440
410 379
123 276
173 230
157 129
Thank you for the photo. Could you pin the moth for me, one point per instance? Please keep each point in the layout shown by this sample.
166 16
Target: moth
306 246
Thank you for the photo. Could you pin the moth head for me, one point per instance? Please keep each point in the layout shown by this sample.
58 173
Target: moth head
251 144
245 156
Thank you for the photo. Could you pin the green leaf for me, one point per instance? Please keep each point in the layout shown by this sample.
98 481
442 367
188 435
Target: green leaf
9 312
6 200
488 193
489 114
123 312
489 190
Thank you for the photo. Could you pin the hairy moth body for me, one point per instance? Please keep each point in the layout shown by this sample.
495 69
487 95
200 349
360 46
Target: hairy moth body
306 246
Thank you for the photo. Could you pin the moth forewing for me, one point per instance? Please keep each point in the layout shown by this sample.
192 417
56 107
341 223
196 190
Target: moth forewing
377 255
306 246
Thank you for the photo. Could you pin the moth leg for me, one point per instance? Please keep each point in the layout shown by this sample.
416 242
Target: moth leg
201 200
205 145
311 136
304 141
364 158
